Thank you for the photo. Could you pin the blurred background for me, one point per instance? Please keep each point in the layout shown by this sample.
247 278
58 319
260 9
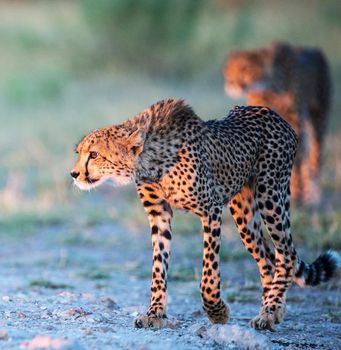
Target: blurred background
70 66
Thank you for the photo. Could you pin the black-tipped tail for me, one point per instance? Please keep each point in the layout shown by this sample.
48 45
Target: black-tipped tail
321 270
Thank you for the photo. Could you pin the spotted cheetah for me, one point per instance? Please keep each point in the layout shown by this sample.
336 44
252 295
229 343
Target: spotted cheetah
178 160
277 71
303 184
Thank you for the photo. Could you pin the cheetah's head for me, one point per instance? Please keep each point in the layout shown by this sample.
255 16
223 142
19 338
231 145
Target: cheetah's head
107 154
242 70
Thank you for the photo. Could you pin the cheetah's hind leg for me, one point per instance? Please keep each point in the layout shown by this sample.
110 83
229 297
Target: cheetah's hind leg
274 207
245 212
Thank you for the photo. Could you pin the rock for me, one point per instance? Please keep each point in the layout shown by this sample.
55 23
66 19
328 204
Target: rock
76 312
109 303
46 314
66 294
234 336
87 331
3 334
87 295
105 329
21 315
172 323
197 313
46 342
201 332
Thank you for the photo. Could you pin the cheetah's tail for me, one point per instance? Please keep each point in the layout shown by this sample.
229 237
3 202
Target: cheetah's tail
321 270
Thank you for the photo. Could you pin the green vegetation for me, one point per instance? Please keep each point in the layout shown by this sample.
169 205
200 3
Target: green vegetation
71 66
183 38
176 273
96 274
184 274
332 316
320 230
42 283
294 299
23 224
237 297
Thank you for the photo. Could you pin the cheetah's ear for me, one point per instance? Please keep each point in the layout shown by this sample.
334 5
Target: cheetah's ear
135 141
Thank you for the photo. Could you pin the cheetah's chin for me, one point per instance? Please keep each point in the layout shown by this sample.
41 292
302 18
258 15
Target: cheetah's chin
89 185
115 181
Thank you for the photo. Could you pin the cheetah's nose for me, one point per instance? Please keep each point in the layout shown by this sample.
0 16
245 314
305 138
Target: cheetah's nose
74 174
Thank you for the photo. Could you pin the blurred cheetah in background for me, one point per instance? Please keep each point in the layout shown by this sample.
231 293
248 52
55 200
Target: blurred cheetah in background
177 160
300 76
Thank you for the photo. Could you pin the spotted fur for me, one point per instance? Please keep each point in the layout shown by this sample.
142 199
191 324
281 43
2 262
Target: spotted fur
295 82
178 160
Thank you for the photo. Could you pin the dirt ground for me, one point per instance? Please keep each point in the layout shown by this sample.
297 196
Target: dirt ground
61 290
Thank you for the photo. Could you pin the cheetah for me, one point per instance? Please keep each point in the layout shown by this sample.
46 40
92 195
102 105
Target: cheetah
303 188
281 70
177 160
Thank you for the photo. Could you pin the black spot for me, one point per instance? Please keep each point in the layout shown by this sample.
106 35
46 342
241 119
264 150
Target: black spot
261 188
269 205
278 210
154 213
279 227
270 219
275 237
216 232
167 234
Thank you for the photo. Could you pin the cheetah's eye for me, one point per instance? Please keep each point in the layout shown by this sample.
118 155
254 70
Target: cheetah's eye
93 154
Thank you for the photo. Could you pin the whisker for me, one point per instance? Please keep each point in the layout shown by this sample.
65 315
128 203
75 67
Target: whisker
76 188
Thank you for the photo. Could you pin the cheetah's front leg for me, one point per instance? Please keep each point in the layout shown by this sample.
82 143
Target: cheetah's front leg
217 311
159 214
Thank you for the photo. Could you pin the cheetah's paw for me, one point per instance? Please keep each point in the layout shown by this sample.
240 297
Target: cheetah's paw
219 316
150 322
264 320
156 322
279 313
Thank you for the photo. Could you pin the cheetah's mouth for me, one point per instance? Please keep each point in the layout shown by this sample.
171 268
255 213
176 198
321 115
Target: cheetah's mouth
90 180
89 183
